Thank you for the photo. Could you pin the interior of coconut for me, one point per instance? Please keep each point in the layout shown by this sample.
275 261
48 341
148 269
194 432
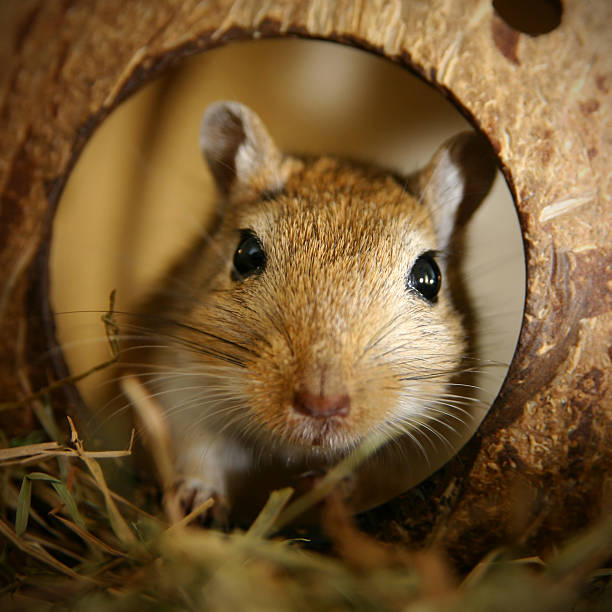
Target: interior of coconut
72 539
141 192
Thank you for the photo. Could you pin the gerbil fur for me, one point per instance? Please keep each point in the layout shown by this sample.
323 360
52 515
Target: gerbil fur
330 316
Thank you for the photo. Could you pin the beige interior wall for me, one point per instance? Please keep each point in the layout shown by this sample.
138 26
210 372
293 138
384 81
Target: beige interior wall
140 191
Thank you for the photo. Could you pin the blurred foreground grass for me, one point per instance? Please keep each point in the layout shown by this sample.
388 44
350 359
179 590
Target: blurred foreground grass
70 542
67 541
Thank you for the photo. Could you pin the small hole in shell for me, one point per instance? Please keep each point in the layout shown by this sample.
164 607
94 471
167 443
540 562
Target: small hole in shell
533 17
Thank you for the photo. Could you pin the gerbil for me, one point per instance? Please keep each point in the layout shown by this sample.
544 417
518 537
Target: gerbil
313 314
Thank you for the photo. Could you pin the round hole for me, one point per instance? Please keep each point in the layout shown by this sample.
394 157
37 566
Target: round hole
140 193
532 17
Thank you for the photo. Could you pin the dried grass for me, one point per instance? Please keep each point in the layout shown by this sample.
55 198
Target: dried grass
69 541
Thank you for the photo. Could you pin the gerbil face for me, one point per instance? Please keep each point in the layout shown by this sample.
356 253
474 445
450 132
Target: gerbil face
318 315
340 342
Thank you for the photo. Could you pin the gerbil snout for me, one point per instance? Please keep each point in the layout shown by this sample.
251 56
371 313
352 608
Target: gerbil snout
321 406
321 416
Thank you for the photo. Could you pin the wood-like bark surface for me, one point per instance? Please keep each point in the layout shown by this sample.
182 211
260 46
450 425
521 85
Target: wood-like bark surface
540 464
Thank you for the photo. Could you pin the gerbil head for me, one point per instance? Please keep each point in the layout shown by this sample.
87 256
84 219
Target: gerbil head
320 313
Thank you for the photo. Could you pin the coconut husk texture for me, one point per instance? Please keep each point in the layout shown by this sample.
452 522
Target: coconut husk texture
538 469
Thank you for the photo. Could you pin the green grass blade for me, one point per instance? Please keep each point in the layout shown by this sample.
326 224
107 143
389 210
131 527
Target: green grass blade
23 506
62 490
42 476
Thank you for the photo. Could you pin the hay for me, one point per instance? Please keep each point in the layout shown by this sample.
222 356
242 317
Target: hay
69 541
72 540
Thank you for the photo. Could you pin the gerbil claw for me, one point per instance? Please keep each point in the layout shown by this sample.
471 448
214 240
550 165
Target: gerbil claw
191 493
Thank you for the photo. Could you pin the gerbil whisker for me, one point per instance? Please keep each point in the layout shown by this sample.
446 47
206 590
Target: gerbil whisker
416 425
448 413
437 434
440 421
465 386
400 427
462 399
231 423
225 411
232 343
439 374
438 399
190 344
461 406
201 402
381 334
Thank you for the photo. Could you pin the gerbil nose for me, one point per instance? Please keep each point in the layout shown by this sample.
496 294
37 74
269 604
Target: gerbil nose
321 406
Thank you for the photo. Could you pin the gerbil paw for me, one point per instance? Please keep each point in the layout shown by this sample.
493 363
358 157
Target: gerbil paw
191 493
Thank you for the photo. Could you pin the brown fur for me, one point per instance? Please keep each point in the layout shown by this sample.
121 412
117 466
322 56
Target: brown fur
323 300
331 314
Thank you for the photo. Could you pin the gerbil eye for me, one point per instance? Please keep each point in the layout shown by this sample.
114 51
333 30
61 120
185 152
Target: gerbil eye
425 277
249 257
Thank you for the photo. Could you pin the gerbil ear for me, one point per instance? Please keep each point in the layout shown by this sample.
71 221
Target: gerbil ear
455 182
239 151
